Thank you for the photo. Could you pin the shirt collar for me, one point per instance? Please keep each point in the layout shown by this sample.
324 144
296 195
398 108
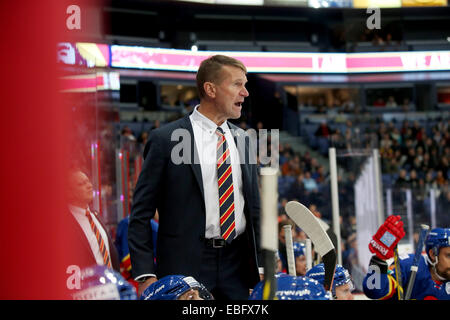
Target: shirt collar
77 210
206 124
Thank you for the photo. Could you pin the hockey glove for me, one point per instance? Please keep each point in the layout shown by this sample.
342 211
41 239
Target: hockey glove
387 237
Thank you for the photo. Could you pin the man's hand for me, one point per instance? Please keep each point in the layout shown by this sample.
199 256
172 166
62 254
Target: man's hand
144 285
387 237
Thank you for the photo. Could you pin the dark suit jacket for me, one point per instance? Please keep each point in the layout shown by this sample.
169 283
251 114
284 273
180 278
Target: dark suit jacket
83 255
176 190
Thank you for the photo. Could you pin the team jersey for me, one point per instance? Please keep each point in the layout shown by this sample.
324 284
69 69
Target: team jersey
425 288
122 245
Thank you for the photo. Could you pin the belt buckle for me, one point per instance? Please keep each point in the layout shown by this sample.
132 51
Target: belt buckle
220 243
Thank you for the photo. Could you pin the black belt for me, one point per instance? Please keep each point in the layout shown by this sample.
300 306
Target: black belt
215 243
220 243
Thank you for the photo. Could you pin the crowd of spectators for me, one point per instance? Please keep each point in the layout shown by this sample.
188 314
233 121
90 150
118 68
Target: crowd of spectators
302 178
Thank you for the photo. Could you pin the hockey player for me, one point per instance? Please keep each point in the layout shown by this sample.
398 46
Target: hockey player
278 263
176 287
342 283
121 243
100 283
433 274
293 288
300 258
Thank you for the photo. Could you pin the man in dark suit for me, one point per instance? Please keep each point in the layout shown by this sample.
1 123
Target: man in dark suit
90 247
206 192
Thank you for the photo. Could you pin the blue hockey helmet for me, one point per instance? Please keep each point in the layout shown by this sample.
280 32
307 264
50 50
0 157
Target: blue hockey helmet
293 288
172 287
436 239
341 275
299 249
101 283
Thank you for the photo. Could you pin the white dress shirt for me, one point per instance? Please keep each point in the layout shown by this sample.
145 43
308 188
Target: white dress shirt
206 143
79 214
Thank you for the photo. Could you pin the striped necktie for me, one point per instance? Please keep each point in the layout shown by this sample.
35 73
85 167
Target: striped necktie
101 242
226 192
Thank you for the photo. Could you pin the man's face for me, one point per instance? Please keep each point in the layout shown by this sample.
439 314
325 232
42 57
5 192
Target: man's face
344 292
230 93
443 265
81 190
300 265
190 295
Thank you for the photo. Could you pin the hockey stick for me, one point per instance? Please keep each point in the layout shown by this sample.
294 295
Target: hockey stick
308 255
289 250
269 229
415 266
398 275
322 243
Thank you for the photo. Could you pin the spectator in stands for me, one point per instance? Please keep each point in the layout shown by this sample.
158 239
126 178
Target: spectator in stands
388 39
426 163
396 136
143 138
440 179
385 142
127 133
309 183
319 175
321 105
413 179
379 102
315 211
297 189
284 157
323 130
323 134
430 183
410 158
429 144
337 140
406 104
292 167
348 106
417 164
402 180
391 102
434 157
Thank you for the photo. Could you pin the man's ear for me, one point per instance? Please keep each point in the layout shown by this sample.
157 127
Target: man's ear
210 89
432 255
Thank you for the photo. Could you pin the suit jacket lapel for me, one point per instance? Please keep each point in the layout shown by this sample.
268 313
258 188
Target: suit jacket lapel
82 237
196 168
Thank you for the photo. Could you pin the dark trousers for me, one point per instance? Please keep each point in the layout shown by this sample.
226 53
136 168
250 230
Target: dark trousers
222 271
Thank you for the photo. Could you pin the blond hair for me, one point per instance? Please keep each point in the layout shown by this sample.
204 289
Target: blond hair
210 70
